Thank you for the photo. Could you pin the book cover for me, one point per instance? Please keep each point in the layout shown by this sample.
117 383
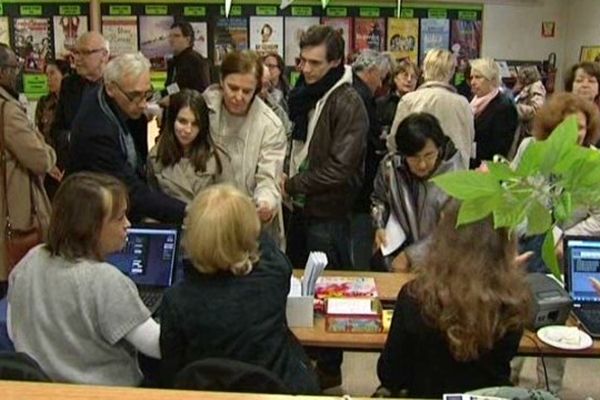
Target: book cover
345 286
466 40
294 28
200 38
435 34
369 34
403 38
122 34
344 27
230 34
266 35
66 31
4 31
33 43
154 40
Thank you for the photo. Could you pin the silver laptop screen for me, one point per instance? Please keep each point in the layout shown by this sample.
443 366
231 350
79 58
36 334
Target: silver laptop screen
582 264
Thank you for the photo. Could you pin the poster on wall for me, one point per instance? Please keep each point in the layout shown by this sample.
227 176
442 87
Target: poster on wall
266 35
369 33
33 43
344 27
294 28
466 40
230 34
66 31
589 53
403 38
435 34
121 33
154 40
4 31
200 37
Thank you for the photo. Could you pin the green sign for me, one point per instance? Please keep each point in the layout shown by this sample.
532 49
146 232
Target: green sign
266 10
467 15
157 10
302 11
119 10
438 13
337 11
158 78
35 85
235 11
69 10
407 13
294 76
194 11
1 9
31 10
369 12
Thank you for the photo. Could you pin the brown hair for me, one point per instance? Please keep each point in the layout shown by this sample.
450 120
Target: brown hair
317 35
468 285
169 151
81 204
590 68
243 62
560 106
403 66
283 83
231 242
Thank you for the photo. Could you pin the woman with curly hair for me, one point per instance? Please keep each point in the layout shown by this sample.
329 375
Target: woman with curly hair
458 324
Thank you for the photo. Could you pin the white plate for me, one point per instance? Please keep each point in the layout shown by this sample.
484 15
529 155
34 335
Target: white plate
552 335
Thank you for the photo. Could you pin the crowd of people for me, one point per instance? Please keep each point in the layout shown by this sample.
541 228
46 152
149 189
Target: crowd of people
261 174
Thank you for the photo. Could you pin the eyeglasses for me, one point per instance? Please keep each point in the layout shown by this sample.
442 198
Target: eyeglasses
136 97
86 52
271 66
429 158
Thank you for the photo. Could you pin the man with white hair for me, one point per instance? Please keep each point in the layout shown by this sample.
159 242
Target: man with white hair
369 70
91 54
437 97
104 131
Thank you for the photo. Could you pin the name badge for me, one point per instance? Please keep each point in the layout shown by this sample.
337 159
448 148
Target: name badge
173 88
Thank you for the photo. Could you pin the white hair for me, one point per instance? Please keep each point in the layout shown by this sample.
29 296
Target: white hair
489 69
130 64
438 65
91 35
368 59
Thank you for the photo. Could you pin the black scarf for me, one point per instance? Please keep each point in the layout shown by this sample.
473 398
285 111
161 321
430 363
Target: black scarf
304 97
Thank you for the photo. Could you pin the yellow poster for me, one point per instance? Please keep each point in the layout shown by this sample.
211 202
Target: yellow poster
403 38
590 53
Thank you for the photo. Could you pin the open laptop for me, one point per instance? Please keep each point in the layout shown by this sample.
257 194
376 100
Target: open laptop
150 259
582 262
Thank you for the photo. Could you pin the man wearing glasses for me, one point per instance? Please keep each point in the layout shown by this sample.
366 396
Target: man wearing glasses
91 55
104 131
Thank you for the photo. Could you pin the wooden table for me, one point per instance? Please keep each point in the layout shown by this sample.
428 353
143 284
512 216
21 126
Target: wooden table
388 286
12 390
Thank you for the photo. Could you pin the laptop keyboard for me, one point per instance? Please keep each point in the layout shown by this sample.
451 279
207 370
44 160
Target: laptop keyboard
151 299
590 318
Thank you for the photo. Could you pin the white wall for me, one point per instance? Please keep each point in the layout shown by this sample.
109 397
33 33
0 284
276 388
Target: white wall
513 30
583 28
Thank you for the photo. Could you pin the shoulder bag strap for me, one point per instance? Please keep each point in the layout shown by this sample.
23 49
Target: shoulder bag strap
3 163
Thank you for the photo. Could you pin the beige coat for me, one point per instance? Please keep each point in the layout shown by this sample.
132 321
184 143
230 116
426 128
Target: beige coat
181 180
27 157
451 109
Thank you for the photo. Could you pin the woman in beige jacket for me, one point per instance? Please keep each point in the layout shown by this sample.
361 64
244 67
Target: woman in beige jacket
28 159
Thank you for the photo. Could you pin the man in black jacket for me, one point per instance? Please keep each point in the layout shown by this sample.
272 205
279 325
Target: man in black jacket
104 131
91 55
188 69
369 71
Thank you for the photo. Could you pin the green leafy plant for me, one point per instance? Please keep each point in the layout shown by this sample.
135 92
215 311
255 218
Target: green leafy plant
554 178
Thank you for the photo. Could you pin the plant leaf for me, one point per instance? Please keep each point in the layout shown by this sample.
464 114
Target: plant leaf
510 213
563 207
549 256
558 144
468 185
475 209
539 219
531 160
501 171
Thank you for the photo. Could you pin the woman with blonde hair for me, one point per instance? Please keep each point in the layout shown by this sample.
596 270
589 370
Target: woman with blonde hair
232 301
458 324
496 117
438 97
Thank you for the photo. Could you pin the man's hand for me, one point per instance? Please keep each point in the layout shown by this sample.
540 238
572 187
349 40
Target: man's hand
401 263
380 239
265 213
595 284
56 173
521 260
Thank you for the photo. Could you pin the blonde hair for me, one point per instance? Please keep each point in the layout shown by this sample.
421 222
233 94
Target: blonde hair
439 65
488 68
222 229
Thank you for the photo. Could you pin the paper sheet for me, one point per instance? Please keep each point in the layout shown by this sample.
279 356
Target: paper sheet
394 235
349 306
295 287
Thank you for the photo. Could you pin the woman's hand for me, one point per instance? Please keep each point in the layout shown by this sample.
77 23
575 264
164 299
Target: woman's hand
401 263
56 173
265 213
595 284
521 260
380 239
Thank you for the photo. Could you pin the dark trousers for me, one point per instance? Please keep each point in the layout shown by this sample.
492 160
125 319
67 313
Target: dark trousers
331 236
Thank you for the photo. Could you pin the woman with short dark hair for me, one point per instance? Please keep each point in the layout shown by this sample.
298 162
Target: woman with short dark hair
403 190
79 317
583 80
